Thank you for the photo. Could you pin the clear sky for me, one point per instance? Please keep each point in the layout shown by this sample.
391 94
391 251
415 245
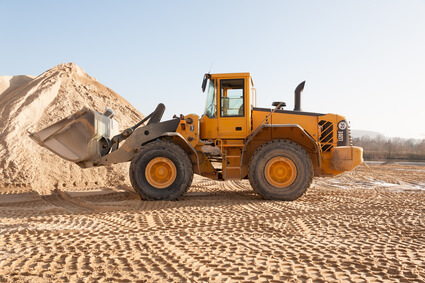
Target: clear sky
362 59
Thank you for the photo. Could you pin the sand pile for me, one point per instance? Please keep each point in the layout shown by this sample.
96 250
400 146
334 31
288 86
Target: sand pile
32 103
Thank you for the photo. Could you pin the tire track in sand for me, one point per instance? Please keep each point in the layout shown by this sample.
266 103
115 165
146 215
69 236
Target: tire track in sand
63 201
217 233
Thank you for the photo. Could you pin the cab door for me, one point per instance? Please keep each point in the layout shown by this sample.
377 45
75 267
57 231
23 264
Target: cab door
232 110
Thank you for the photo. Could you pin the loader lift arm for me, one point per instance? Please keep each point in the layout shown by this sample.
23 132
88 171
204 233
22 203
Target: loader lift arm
154 118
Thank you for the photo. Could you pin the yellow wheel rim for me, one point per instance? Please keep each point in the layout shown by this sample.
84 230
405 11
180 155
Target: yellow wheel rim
280 172
160 172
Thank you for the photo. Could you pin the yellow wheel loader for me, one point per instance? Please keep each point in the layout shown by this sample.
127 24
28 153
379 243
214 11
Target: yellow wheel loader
278 150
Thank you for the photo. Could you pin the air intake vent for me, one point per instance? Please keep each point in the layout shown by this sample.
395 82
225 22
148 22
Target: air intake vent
326 136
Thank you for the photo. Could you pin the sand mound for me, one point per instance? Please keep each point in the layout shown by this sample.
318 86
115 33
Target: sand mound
9 83
30 104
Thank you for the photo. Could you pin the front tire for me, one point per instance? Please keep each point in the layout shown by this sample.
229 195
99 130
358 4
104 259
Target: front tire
280 170
161 171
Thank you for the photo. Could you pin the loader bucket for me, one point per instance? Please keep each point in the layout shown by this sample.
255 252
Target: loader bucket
83 136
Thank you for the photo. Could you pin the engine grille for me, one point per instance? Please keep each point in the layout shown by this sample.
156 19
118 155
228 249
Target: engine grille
326 136
350 137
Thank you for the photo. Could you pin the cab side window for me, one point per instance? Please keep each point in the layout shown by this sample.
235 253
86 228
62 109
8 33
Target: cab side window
232 98
211 105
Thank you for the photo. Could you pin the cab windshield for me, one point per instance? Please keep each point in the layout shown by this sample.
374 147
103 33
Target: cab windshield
211 105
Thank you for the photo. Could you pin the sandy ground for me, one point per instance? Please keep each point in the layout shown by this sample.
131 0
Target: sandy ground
361 226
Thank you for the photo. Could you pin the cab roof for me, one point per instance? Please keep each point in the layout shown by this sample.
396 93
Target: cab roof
230 75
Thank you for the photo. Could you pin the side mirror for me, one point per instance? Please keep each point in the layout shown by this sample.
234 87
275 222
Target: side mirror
204 82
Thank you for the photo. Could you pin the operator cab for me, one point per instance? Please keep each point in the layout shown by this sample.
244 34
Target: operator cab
228 107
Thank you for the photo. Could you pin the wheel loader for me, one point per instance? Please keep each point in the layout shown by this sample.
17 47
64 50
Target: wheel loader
279 151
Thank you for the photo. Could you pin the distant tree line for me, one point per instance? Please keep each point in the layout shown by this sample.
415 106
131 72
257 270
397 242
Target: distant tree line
381 148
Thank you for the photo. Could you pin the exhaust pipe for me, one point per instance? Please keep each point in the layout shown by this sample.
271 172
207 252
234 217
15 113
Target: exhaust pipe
298 91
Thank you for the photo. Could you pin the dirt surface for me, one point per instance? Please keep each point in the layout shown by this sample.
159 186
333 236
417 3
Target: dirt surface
360 226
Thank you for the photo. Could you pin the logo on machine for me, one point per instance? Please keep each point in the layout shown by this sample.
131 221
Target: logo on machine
192 128
342 132
340 136
342 125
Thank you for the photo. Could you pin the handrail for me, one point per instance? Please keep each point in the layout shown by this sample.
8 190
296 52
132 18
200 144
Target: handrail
262 123
217 141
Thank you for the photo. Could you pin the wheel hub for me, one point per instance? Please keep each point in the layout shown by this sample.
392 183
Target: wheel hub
160 172
280 172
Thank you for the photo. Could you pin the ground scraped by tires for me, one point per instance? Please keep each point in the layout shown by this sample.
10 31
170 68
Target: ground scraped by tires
360 226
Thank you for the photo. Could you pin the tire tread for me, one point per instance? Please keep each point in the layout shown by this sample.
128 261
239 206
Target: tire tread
179 152
279 144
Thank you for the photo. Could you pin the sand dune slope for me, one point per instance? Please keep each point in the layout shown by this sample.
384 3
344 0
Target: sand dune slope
30 104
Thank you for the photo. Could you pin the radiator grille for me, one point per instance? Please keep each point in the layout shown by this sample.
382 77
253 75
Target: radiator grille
326 136
350 137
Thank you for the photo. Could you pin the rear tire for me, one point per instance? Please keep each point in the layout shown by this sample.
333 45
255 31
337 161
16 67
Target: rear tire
161 171
280 170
